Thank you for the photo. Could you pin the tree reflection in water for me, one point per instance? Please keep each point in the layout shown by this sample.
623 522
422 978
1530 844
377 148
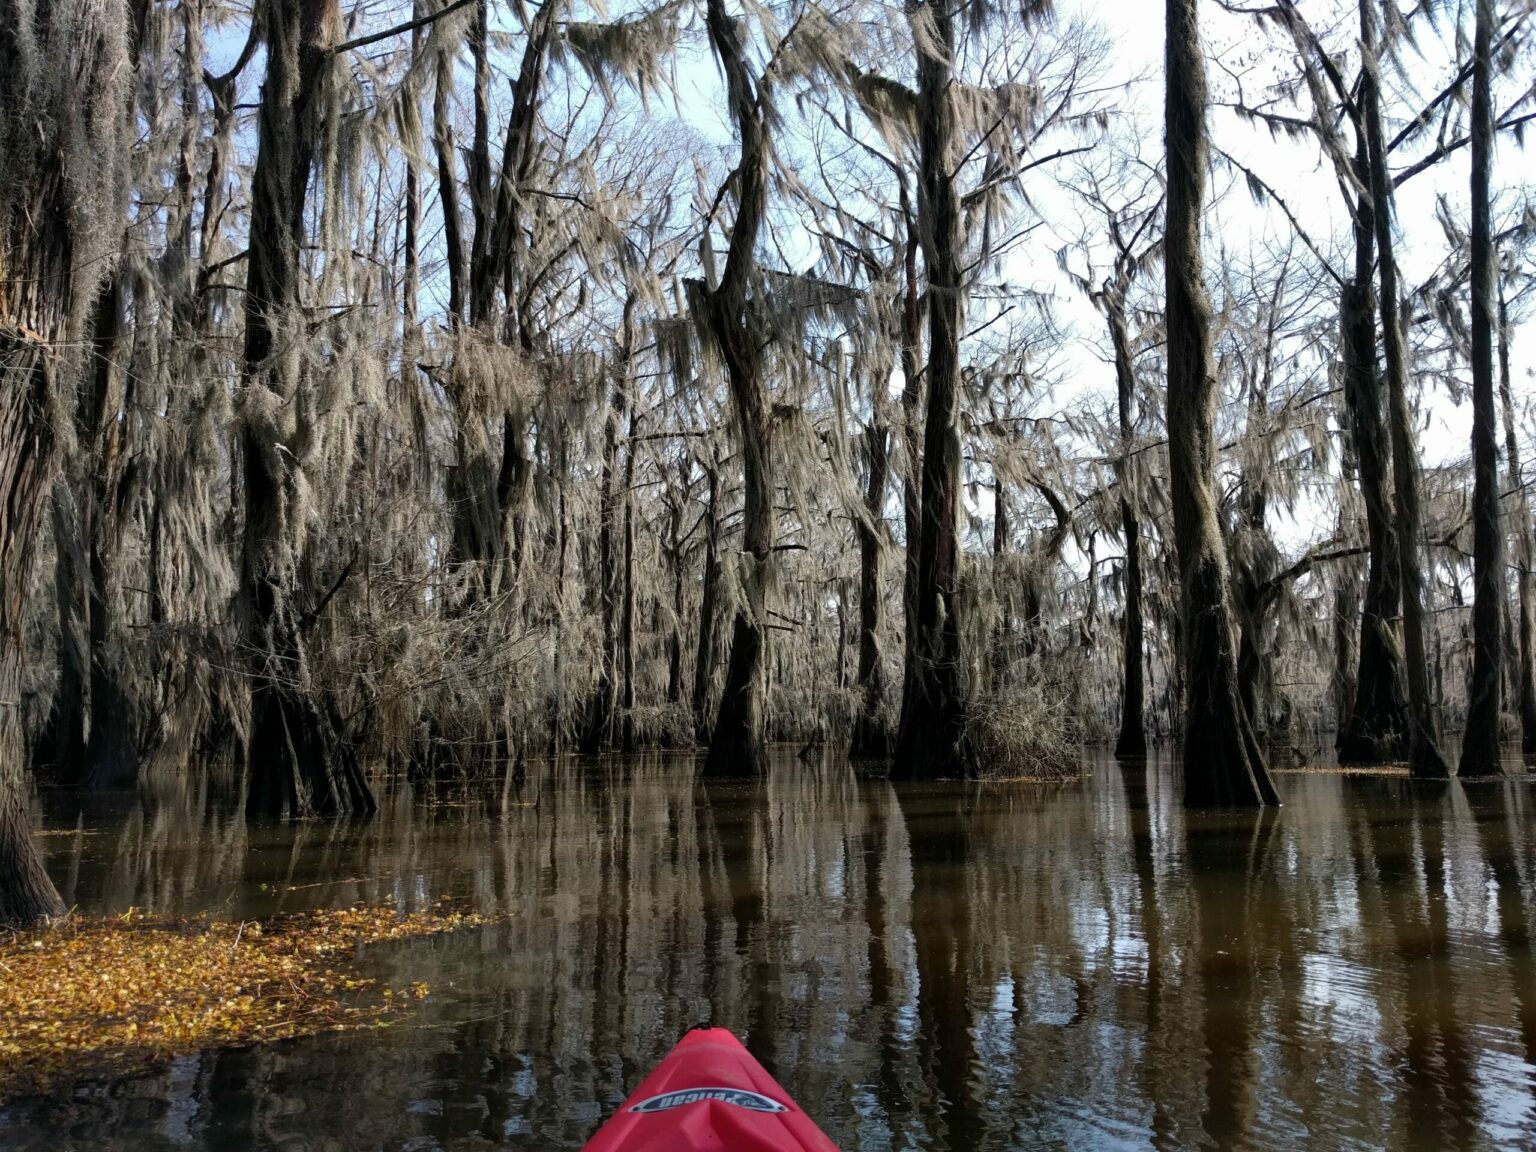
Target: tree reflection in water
923 967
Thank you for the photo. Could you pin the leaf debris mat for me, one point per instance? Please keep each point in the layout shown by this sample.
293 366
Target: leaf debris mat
105 994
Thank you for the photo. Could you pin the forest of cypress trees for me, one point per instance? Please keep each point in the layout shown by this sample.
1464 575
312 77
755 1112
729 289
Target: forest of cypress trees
428 387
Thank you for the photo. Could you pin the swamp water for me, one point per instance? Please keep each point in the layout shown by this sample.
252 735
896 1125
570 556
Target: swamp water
923 967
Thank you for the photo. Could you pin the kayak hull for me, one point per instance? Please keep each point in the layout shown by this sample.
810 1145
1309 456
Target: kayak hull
709 1095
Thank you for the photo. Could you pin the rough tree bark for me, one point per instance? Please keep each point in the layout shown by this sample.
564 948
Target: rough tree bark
1346 617
598 733
1525 547
736 745
675 551
709 599
1131 743
88 739
1043 558
481 285
448 186
871 737
1254 562
1424 756
1002 631
26 458
299 762
111 760
912 445
54 250
1375 729
1485 692
1223 766
932 740
627 634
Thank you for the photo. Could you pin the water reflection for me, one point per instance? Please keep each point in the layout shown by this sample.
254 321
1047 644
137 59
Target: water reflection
945 968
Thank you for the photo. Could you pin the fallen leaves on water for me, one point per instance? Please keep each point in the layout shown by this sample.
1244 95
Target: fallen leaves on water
107 993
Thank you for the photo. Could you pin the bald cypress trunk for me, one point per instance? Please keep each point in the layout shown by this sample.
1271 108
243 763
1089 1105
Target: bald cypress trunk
709 599
1346 616
676 559
912 447
448 186
932 741
598 733
59 205
871 738
1525 644
1131 744
627 636
87 738
1375 728
26 458
481 284
736 745
1424 756
111 760
1002 630
1223 766
1480 745
299 762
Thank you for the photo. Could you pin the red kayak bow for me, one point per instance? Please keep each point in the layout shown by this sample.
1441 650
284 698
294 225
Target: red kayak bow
709 1094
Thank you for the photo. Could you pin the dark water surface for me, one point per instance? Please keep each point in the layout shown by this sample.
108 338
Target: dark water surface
1012 966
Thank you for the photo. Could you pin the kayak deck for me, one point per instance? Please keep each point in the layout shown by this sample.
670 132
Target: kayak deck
706 1095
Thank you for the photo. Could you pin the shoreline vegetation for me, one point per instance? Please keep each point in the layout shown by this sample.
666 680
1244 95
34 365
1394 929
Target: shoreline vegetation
84 995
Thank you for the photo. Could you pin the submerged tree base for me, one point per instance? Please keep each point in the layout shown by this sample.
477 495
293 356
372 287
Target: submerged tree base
107 994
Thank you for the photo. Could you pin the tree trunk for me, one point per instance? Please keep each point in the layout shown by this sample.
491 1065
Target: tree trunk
871 735
709 598
61 744
1223 766
26 458
1424 757
560 529
54 249
736 745
1002 631
448 186
1346 653
1088 627
1375 729
599 724
481 284
1042 561
410 286
912 447
1131 744
299 762
1525 547
111 760
88 732
677 562
1480 745
932 741
627 637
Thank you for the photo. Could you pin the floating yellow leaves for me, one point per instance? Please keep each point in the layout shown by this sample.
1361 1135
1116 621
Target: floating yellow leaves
112 992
